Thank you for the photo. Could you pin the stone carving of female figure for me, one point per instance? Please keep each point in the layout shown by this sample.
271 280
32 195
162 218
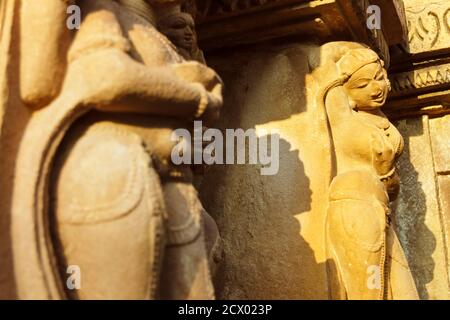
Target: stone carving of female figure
94 185
366 259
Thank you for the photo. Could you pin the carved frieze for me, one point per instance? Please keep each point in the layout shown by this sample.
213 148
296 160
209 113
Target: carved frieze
428 25
424 78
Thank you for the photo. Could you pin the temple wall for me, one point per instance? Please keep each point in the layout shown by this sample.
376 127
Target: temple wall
272 226
419 102
422 212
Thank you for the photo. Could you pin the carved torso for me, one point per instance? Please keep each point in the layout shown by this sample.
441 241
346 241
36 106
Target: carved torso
374 146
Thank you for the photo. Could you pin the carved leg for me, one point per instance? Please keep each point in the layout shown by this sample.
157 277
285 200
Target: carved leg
367 260
401 283
356 239
356 232
108 211
186 273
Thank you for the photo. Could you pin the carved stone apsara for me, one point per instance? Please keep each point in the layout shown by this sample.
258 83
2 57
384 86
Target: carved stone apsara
366 259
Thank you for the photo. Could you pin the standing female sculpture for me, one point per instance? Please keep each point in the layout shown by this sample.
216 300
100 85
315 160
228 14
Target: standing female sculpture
366 259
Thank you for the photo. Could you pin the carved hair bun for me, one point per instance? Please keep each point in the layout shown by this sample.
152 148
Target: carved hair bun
355 59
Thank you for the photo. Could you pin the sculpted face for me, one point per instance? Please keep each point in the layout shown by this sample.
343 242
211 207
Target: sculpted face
180 29
368 87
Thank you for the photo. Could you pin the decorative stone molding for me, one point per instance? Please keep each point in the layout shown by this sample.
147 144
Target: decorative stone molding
427 78
421 78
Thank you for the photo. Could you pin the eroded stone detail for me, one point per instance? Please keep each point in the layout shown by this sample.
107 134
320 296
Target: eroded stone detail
421 79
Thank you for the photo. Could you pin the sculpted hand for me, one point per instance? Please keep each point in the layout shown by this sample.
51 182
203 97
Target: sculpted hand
208 83
195 72
212 111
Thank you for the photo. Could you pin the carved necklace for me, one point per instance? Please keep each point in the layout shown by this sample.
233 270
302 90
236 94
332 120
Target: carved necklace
384 124
379 122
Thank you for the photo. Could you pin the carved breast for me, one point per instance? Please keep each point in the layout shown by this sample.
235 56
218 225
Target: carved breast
372 144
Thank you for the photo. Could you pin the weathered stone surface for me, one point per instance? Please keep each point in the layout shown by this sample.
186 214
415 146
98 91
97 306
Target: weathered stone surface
281 219
359 238
421 83
440 142
444 197
421 79
393 17
420 75
417 215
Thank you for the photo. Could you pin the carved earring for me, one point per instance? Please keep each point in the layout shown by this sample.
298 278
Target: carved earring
388 84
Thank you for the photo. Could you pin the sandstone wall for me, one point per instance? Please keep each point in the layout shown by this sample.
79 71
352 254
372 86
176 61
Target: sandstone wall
272 226
423 212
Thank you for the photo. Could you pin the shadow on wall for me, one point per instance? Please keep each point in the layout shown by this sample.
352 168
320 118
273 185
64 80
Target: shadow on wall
417 239
410 208
263 248
263 220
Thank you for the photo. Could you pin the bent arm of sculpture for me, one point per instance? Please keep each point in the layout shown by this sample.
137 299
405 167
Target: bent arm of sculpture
338 108
112 81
